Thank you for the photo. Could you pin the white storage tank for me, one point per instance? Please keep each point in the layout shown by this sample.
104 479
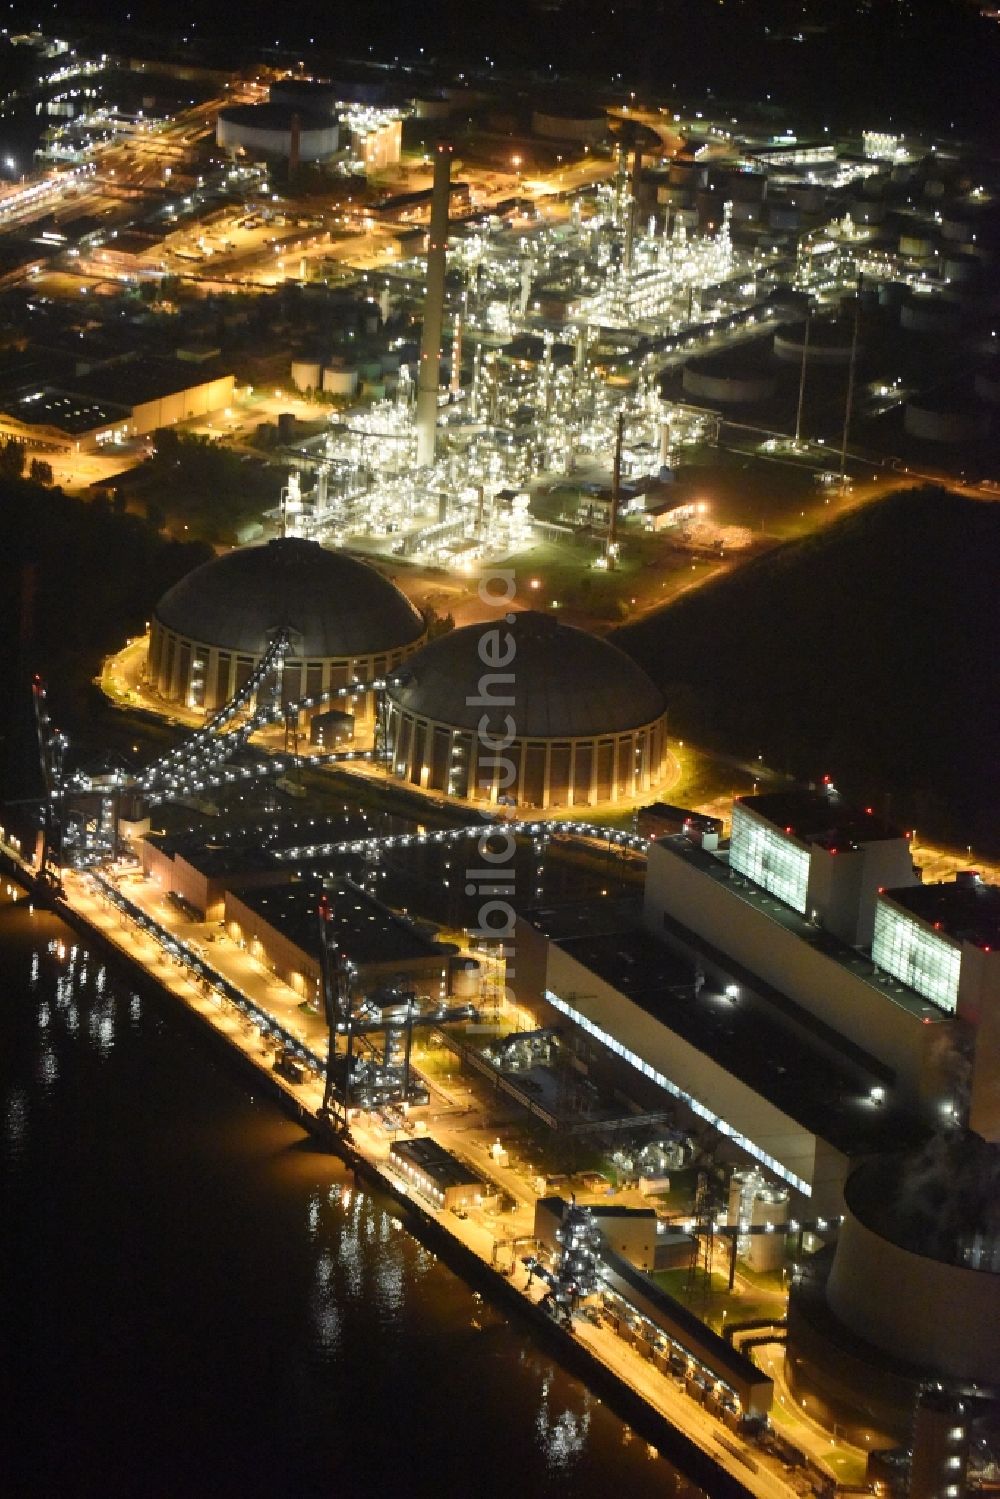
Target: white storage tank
307 374
340 382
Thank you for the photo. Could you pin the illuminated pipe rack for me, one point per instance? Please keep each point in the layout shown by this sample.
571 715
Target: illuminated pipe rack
662 1081
232 775
548 829
273 657
183 954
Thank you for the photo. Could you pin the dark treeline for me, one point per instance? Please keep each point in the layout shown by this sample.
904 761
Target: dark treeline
843 62
75 581
868 652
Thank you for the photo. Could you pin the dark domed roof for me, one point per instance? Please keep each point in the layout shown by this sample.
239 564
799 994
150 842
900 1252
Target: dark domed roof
567 684
340 606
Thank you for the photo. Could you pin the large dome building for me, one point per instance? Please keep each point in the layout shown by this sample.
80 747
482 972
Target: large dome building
574 721
348 624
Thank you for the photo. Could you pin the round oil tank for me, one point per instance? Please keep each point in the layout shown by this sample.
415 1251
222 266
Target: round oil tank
916 246
953 420
784 216
747 211
728 380
987 385
866 210
892 293
340 382
270 130
585 126
307 374
957 230
432 107
829 342
927 314
959 267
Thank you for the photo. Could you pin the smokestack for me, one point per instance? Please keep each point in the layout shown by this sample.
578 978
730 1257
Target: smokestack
430 343
295 145
632 207
456 356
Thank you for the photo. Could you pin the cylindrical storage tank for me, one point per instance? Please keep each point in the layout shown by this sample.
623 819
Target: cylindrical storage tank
746 187
784 216
829 342
370 370
809 199
987 386
892 293
958 230
373 390
585 126
688 174
954 421
928 314
268 130
866 211
677 197
340 382
464 977
432 107
748 212
722 379
307 374
915 246
901 1255
958 267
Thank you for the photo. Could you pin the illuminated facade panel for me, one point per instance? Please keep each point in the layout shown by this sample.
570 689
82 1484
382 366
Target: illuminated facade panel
925 961
669 1086
770 859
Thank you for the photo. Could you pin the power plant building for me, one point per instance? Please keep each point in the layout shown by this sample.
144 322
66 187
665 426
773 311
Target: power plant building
533 713
750 992
348 624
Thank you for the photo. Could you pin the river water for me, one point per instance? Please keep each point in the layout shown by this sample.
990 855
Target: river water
194 1300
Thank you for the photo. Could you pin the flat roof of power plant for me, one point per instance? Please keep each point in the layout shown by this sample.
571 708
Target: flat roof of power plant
763 1038
966 910
366 930
821 817
716 865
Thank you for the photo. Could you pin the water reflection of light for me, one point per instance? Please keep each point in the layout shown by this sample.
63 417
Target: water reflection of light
35 968
44 1015
48 1067
134 1007
15 1119
562 1438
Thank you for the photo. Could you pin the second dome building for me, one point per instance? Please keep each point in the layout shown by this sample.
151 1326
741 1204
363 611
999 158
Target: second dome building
528 710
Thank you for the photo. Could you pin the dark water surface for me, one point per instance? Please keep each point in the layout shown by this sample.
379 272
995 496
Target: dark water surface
193 1301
